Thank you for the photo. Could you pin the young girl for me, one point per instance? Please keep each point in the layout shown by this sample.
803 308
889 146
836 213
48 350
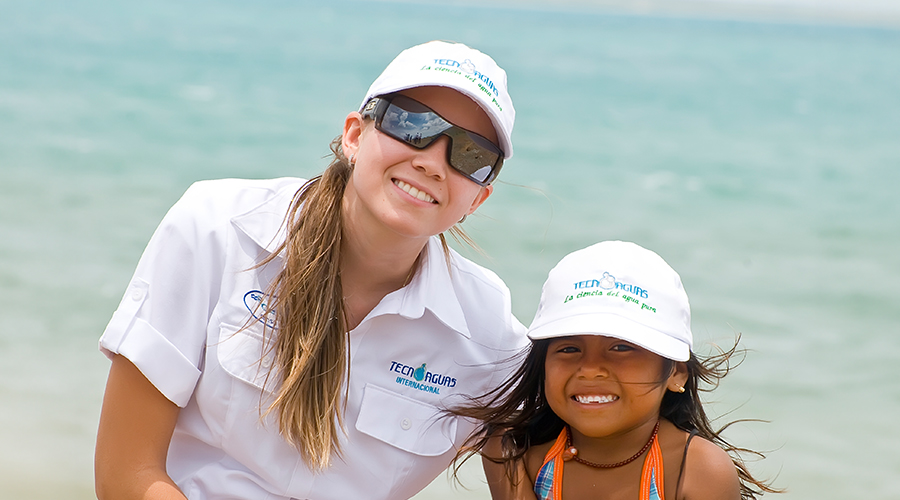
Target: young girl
292 339
606 405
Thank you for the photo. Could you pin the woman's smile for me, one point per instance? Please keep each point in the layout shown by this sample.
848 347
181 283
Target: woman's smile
414 192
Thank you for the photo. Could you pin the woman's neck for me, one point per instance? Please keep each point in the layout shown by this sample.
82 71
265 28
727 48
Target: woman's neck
372 268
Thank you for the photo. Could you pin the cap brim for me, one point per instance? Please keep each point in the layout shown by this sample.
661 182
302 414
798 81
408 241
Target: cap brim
612 325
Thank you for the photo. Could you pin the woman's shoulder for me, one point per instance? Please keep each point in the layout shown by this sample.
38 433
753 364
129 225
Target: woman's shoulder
238 194
208 205
484 297
470 272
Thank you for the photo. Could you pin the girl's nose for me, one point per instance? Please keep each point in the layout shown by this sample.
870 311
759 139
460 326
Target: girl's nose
593 369
594 364
432 161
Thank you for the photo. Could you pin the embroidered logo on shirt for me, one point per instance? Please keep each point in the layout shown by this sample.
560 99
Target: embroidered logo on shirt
256 303
418 377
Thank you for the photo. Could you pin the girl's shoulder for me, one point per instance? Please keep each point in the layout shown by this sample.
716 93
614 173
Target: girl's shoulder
708 473
534 458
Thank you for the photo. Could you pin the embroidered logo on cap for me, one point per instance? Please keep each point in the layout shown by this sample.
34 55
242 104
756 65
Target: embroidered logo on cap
467 68
609 282
609 286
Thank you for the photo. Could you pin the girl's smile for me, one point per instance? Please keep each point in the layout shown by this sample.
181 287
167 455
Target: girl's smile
585 399
604 386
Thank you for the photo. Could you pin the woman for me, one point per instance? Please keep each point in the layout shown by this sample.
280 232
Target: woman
308 355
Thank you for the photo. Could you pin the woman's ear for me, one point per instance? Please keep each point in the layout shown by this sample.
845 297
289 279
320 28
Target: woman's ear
353 127
480 198
678 378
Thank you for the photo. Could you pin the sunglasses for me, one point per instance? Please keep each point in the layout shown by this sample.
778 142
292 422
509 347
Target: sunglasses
413 123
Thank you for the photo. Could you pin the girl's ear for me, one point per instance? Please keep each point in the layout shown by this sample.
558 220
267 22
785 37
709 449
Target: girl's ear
353 127
678 378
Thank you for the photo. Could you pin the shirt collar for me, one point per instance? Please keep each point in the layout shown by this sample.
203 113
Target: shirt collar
264 224
431 287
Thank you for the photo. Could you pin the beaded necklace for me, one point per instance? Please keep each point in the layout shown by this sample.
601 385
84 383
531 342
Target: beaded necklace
572 453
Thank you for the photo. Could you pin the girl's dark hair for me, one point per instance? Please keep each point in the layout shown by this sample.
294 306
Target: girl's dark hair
517 411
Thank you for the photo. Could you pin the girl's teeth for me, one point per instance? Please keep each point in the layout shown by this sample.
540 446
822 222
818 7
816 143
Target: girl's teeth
415 193
595 399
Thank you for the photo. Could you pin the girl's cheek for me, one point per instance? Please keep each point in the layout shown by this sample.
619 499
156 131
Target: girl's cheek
551 385
646 371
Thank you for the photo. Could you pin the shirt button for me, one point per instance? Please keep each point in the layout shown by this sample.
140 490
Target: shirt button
405 424
137 295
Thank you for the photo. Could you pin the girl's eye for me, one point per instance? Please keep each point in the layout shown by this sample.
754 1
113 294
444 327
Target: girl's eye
568 349
622 347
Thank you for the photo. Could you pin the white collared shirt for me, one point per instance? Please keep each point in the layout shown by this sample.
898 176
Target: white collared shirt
181 323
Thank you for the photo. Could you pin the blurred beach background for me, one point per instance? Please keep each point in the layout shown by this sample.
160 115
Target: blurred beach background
755 146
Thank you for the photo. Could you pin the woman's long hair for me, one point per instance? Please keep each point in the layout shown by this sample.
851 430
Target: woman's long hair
310 339
519 414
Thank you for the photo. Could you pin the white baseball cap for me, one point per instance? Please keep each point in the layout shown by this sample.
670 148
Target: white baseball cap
617 289
454 65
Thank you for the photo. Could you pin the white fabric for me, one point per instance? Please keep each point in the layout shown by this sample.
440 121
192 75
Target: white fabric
459 67
617 289
180 322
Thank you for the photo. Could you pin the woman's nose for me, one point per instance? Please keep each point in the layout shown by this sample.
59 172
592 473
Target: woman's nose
433 160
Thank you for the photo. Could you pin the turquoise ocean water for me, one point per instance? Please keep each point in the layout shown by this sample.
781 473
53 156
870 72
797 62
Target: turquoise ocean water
761 159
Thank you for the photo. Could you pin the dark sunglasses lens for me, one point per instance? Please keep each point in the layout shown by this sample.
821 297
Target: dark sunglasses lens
414 123
418 128
472 154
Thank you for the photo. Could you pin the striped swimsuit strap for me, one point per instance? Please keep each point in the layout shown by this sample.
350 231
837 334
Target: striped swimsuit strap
548 484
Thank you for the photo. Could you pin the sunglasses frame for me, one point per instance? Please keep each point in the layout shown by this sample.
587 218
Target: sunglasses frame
377 107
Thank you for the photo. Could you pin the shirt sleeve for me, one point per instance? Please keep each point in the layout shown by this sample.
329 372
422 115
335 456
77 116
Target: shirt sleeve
161 322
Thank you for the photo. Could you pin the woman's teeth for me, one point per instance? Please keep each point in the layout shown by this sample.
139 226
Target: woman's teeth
595 399
415 193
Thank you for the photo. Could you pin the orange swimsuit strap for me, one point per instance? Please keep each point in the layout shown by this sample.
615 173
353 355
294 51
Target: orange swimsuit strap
548 484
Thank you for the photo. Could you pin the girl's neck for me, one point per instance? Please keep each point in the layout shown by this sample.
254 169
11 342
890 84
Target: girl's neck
615 447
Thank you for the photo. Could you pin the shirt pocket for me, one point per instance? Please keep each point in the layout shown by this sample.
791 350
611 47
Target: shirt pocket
407 424
242 354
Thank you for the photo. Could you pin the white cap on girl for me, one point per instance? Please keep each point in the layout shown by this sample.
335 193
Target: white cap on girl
617 289
454 65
